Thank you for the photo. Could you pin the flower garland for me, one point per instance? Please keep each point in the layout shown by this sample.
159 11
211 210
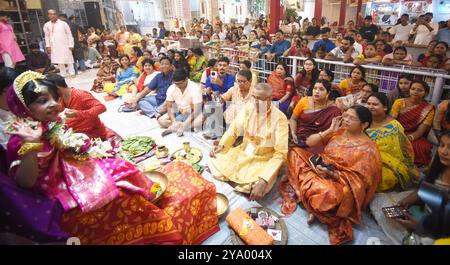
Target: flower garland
74 145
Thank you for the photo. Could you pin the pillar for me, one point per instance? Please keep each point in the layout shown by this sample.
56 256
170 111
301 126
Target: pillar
274 17
342 12
318 10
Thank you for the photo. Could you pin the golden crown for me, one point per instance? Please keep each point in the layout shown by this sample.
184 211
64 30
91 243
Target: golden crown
23 79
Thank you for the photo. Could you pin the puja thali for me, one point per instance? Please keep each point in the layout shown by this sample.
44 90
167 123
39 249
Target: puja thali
188 153
279 230
222 204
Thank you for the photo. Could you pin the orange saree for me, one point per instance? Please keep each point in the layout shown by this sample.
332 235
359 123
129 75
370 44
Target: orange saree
337 203
185 214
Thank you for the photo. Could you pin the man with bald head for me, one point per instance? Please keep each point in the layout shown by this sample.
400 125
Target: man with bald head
59 43
254 164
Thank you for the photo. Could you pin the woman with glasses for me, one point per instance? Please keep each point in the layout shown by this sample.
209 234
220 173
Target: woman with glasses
338 184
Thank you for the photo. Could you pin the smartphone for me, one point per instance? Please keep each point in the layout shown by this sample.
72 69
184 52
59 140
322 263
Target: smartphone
316 160
395 212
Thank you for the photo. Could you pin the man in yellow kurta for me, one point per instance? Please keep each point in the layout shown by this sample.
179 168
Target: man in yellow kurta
254 164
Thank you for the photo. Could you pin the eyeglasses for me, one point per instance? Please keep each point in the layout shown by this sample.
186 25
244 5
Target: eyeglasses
310 64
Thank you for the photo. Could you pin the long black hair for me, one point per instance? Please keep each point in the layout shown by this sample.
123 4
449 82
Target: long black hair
436 166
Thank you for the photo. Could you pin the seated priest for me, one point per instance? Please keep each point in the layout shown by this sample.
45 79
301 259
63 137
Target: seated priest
254 164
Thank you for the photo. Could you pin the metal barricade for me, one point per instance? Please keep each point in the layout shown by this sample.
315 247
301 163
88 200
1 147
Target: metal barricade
385 77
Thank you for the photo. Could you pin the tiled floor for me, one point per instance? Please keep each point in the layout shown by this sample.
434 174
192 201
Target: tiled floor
128 124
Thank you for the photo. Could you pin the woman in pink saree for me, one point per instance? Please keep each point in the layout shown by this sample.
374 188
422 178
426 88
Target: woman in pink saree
89 185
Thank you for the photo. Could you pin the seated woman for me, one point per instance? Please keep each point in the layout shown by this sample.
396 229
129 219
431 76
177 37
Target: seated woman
355 82
135 54
145 55
313 114
327 74
441 120
399 56
396 151
359 98
143 81
402 90
43 161
416 116
398 229
191 58
126 75
106 74
440 50
179 62
370 55
282 86
339 183
304 80
428 52
200 65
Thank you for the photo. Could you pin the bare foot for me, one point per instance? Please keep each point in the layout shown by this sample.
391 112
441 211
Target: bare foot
166 132
311 219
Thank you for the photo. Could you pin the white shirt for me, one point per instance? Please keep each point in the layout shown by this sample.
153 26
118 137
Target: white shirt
192 95
401 32
358 47
247 29
340 54
423 34
155 51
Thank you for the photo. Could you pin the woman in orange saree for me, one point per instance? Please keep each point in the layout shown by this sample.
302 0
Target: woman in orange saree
416 116
335 186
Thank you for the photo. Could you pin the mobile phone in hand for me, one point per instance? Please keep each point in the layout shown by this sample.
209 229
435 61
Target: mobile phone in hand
395 212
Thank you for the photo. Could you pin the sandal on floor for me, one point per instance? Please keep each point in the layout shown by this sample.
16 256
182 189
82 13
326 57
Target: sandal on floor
126 108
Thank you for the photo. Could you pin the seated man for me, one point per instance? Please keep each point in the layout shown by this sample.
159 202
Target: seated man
220 82
238 95
82 110
151 99
254 164
184 105
346 52
359 98
38 61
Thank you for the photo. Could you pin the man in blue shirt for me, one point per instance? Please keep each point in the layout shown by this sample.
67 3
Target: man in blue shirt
162 30
151 105
279 46
221 81
329 45
444 34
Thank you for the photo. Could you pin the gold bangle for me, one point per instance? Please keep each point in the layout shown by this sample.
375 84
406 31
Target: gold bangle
27 148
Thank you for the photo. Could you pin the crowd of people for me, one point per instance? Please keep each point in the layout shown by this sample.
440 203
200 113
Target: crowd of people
342 143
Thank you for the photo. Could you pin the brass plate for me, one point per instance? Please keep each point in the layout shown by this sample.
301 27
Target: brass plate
194 157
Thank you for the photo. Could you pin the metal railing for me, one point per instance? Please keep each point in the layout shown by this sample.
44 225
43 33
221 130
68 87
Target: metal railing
385 77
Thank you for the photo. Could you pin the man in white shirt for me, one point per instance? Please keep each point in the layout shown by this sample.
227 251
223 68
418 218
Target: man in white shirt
247 27
346 52
218 31
358 47
402 30
424 29
158 48
184 105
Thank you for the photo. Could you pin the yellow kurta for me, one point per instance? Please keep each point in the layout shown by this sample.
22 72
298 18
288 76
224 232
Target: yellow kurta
267 134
